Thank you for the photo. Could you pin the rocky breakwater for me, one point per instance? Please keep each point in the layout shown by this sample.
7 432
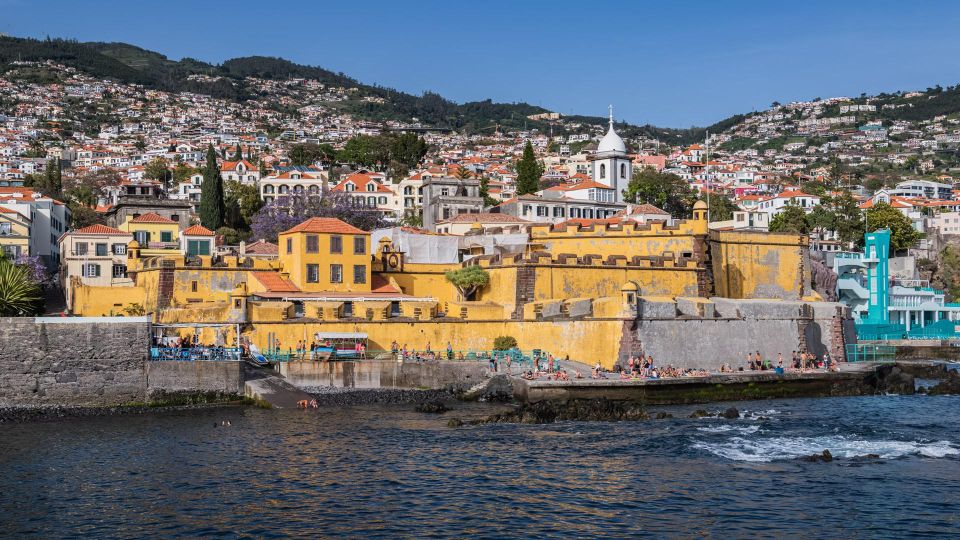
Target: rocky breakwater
545 412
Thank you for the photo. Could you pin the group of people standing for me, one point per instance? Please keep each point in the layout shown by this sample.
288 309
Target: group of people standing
799 360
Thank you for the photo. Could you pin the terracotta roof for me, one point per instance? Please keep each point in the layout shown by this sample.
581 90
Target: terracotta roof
198 230
648 209
100 229
274 282
151 217
262 247
484 217
380 284
325 225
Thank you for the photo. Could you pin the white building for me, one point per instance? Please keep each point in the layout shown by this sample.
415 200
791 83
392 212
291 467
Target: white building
49 219
611 165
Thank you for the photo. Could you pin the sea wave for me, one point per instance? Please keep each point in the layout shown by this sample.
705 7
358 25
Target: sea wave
726 428
766 449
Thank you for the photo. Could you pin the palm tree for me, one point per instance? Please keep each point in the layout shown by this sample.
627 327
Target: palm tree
19 294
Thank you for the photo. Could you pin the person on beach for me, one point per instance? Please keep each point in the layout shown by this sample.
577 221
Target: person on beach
449 351
750 364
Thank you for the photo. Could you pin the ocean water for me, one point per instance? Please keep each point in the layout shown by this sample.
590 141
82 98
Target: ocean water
389 472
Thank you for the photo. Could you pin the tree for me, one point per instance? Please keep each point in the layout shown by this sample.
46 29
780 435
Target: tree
792 219
485 191
285 212
140 145
504 343
238 155
468 280
408 149
20 295
158 170
212 206
902 233
230 236
182 172
663 190
84 216
721 208
529 171
464 173
243 201
814 188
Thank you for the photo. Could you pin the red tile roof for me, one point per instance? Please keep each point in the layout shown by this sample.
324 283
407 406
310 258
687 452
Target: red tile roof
262 247
100 229
325 225
380 284
198 230
274 282
151 217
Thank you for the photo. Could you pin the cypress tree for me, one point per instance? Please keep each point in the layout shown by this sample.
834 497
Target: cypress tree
529 172
238 155
212 206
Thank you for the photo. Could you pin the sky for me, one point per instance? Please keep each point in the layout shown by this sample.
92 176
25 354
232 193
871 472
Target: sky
671 64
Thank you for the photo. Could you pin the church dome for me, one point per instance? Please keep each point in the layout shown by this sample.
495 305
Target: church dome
611 142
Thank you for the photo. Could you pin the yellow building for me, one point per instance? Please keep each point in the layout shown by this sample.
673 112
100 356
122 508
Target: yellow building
94 256
14 233
326 255
156 234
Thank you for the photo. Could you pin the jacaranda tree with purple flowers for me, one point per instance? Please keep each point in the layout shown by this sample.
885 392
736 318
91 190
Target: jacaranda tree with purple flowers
288 211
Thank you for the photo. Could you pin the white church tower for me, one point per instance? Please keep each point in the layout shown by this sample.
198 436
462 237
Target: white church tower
611 165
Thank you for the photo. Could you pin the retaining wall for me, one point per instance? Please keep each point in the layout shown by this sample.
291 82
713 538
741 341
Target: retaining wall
383 374
96 361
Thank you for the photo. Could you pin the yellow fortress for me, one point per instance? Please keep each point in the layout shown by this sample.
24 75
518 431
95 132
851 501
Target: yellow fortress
598 293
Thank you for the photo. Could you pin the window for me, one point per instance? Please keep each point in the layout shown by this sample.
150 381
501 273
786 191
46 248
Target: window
360 273
603 171
80 248
91 270
381 200
349 187
198 247
175 217
142 237
119 249
313 243
336 244
289 245
5 228
119 271
623 170
336 273
371 187
444 192
542 211
359 245
166 236
313 273
101 250
193 286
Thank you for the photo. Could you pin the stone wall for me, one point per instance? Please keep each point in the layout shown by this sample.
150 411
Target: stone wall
709 333
73 361
94 362
164 378
384 374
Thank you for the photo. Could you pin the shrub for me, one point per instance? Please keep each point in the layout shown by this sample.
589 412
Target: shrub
504 343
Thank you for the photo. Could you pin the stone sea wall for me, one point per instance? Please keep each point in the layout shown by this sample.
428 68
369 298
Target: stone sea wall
383 374
97 362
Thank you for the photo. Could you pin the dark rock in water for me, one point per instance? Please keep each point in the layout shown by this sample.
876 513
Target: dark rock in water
432 407
545 412
873 456
662 415
922 390
825 457
730 414
948 386
699 413
891 379
454 423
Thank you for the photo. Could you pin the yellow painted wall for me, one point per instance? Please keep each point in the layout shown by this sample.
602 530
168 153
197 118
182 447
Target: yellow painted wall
156 231
425 281
629 240
587 341
760 265
294 258
90 301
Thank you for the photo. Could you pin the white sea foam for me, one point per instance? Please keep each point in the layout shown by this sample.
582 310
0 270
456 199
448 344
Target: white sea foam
726 428
777 448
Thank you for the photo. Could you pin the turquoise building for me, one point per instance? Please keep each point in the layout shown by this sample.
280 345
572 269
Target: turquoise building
885 308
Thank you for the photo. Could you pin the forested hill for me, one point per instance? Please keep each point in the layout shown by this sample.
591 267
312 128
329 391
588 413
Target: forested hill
130 64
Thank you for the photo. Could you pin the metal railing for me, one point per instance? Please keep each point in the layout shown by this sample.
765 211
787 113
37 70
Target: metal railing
859 352
194 354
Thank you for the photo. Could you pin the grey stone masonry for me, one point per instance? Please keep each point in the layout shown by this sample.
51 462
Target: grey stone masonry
73 361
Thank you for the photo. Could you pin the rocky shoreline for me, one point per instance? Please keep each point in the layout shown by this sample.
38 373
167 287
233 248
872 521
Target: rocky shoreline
52 413
329 396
